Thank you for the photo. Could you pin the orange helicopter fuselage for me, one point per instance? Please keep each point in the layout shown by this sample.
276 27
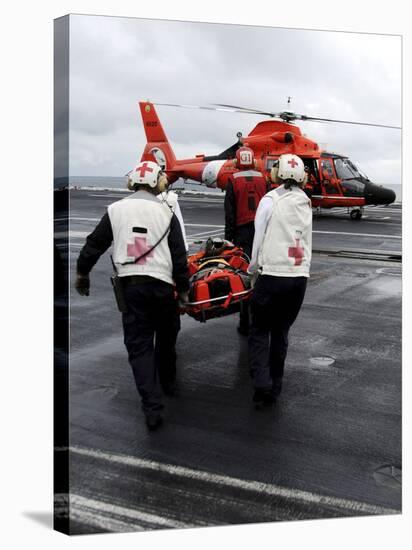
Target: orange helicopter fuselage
268 140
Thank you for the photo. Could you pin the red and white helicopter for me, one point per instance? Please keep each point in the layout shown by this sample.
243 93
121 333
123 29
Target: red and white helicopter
334 180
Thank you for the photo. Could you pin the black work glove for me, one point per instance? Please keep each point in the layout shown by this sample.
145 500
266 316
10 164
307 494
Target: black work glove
82 285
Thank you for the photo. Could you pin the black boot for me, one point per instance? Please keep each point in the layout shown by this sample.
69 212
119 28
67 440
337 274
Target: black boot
263 398
169 388
243 330
277 387
153 420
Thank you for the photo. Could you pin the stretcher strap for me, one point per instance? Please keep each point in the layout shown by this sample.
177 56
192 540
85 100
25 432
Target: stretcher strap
228 300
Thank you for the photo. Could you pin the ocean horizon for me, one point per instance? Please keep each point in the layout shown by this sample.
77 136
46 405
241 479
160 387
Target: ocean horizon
113 182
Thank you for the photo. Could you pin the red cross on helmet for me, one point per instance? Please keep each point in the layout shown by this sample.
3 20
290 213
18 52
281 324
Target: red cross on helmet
245 158
291 167
144 173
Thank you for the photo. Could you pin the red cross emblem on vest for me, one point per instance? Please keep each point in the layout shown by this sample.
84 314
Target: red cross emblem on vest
293 163
138 248
296 252
143 169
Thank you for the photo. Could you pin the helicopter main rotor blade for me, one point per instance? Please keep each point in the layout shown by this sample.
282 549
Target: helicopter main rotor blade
316 119
186 106
284 115
236 108
218 107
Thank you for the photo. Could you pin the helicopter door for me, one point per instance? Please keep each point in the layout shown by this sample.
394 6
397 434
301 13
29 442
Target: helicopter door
329 179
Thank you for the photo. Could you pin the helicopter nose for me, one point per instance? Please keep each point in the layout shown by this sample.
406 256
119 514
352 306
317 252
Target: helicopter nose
377 194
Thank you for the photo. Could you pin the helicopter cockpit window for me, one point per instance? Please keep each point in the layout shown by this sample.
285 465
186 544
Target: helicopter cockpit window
329 181
360 173
345 169
327 167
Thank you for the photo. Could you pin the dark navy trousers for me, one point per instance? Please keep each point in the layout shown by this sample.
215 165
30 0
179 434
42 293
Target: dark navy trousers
275 304
244 237
150 326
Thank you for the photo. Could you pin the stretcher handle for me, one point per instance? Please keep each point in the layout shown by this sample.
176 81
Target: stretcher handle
231 295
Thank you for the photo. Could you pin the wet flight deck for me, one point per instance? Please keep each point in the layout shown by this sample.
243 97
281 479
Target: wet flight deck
331 446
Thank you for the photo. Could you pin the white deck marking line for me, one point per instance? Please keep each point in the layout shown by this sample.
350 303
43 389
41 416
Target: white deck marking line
98 219
190 242
71 234
382 211
94 511
203 233
203 225
196 241
193 241
370 221
202 201
102 522
246 485
186 224
78 234
85 219
382 207
119 195
364 217
359 234
83 234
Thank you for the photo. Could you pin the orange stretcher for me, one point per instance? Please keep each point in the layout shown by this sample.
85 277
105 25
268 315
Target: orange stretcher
219 283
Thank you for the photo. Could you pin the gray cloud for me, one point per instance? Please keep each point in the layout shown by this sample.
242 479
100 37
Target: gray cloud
115 62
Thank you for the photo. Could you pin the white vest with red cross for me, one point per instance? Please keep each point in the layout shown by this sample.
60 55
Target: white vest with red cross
286 250
138 222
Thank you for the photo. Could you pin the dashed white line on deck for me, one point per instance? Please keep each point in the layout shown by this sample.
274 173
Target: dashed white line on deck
296 495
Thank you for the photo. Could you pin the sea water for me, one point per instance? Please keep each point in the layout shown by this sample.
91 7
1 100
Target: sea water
109 182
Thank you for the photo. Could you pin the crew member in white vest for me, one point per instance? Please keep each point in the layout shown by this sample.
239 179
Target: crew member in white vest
281 256
150 258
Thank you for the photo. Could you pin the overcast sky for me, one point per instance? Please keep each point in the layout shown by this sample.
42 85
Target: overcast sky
116 62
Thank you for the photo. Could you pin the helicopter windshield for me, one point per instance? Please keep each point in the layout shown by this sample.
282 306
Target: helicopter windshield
345 170
360 172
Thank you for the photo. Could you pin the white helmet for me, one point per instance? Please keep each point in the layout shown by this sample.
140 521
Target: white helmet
144 173
291 167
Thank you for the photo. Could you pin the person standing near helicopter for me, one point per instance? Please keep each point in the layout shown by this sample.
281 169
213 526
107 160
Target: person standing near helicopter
244 191
149 255
281 256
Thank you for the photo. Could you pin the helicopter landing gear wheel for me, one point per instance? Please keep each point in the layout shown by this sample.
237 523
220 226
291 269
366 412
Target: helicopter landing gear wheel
356 214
